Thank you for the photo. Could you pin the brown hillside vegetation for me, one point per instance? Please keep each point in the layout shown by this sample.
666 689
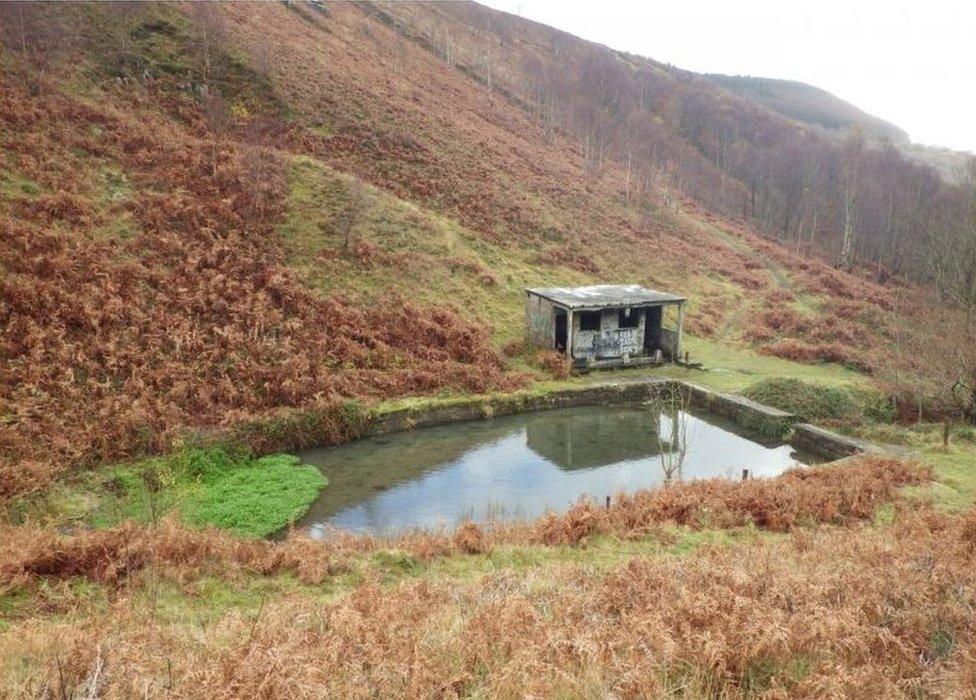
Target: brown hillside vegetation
833 613
738 152
111 344
829 611
145 284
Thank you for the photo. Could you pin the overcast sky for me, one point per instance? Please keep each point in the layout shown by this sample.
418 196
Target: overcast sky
910 63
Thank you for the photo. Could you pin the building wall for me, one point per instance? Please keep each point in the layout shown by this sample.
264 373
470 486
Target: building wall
540 322
610 340
669 343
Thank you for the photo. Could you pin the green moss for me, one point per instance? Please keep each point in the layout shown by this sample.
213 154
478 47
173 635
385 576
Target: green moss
207 486
255 500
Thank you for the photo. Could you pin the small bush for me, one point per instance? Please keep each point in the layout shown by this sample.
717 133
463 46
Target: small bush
817 403
553 362
805 400
470 539
513 348
802 351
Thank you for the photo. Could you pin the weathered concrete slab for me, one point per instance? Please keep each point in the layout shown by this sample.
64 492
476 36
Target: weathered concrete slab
828 443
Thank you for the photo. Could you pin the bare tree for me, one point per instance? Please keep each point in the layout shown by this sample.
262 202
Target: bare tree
950 245
852 163
955 369
939 376
489 40
352 214
968 239
217 119
124 16
209 25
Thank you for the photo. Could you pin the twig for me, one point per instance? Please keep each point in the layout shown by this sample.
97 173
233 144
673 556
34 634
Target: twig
257 617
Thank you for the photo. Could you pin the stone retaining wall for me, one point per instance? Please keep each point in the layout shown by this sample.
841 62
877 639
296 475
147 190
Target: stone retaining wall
762 420
455 411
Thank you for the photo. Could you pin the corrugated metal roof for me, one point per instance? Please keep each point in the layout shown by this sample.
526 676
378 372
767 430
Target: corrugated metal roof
604 296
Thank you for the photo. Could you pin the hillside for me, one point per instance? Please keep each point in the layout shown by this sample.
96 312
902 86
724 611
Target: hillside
229 230
319 209
810 105
674 129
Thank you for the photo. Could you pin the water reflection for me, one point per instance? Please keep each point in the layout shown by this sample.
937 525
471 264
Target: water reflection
592 439
521 466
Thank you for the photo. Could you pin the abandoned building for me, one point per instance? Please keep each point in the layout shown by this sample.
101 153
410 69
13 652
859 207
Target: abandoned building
605 325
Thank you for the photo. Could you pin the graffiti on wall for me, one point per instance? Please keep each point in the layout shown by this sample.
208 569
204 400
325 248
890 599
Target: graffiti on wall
614 342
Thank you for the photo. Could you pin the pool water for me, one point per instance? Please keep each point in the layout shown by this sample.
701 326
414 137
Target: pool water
519 467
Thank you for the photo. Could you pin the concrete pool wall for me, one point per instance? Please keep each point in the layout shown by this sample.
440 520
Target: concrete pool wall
750 415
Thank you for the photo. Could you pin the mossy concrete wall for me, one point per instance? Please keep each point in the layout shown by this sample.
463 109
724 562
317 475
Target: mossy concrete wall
765 420
753 417
480 407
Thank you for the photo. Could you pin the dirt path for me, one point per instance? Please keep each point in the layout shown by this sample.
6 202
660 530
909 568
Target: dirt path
733 320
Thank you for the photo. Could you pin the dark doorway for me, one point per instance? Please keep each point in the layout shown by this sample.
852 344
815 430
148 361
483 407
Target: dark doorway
560 330
652 329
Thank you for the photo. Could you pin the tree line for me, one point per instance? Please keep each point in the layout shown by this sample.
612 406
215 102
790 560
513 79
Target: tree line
856 199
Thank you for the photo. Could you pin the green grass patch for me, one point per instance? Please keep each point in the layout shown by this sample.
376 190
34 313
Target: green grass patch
955 476
953 488
257 499
344 236
733 368
14 185
821 403
232 490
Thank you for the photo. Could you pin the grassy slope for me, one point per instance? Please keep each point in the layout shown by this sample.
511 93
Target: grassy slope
388 171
